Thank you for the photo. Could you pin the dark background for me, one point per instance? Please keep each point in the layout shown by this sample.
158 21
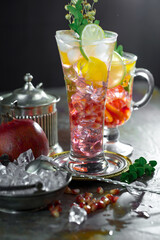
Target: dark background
27 29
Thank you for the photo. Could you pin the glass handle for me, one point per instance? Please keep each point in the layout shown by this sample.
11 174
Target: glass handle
147 75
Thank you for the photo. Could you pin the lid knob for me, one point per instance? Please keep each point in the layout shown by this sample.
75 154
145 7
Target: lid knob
28 77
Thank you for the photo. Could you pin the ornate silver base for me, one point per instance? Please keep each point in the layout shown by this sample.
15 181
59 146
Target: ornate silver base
116 164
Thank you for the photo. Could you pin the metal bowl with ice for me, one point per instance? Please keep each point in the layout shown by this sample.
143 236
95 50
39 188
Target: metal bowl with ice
31 184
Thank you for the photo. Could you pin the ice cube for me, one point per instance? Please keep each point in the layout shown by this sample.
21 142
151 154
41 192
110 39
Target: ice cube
2 169
6 180
66 40
98 95
14 175
25 157
103 52
10 169
34 178
70 73
77 214
73 55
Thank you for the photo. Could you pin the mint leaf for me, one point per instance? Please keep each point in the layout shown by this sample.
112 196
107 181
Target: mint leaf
132 176
75 12
132 168
124 177
79 5
141 161
148 170
80 14
118 49
97 22
73 26
138 169
84 21
153 163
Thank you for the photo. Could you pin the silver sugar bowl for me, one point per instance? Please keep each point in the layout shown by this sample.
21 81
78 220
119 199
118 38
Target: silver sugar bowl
33 103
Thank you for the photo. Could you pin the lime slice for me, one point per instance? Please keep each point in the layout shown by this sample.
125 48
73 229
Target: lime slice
90 34
117 72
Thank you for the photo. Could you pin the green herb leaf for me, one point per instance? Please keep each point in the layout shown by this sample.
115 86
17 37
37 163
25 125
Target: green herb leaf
97 22
132 176
138 169
78 5
80 14
75 12
124 177
148 170
153 163
118 49
132 168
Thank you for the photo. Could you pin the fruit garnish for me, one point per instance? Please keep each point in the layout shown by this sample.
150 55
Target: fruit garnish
91 34
117 72
64 58
94 70
138 169
81 19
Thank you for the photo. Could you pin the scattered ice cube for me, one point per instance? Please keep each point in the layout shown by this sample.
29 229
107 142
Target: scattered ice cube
126 200
77 214
129 201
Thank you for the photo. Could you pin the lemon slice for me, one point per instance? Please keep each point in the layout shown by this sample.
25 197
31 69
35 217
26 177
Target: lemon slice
94 70
90 34
64 58
117 72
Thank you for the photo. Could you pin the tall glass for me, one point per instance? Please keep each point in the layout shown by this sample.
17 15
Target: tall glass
86 86
119 104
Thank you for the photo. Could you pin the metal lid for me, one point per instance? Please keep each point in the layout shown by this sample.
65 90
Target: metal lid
28 96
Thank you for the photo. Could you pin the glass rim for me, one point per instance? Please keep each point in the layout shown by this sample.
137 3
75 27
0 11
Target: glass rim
129 57
110 38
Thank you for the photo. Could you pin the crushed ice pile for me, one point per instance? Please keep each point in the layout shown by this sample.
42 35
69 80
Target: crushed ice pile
14 174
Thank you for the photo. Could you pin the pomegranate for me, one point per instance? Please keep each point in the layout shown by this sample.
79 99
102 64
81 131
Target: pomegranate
19 135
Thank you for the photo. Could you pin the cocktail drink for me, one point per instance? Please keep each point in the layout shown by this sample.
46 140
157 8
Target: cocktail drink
119 104
86 84
119 94
86 53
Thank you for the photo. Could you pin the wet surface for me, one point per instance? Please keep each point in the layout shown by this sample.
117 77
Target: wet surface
140 220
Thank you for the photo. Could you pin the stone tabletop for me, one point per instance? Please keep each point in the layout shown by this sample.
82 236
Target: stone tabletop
143 132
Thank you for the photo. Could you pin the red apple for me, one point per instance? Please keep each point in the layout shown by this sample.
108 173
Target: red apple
19 135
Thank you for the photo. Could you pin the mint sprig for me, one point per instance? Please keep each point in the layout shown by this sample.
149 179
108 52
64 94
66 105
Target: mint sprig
138 169
80 13
119 49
